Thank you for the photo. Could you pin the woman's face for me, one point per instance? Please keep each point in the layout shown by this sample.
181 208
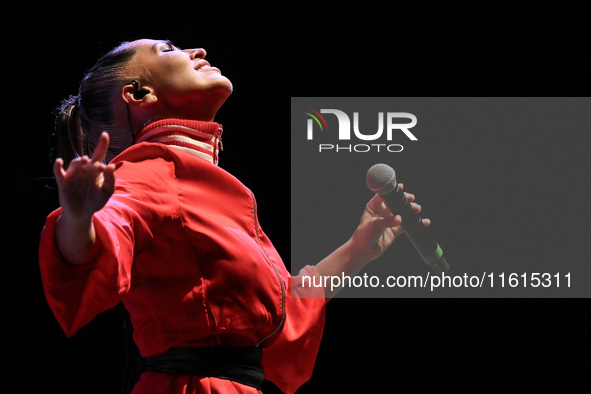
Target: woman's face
181 79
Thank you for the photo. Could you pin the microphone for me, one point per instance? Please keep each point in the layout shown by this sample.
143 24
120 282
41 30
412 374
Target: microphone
381 179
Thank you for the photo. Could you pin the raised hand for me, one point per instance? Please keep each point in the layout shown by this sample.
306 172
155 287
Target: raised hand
87 184
84 188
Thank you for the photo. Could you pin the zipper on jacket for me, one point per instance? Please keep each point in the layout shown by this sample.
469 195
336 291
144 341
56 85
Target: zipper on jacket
256 229
219 135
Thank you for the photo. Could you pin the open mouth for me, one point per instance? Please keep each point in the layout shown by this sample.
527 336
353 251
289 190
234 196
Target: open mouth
203 65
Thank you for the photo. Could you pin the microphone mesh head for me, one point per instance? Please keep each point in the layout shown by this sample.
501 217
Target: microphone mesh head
381 179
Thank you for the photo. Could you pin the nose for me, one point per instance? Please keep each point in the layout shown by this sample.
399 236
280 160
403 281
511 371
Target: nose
196 53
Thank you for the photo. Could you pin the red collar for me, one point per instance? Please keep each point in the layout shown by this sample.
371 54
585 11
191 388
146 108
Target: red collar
201 139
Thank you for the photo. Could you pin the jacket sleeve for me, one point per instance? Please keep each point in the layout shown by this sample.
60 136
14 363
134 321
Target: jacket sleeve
289 360
124 227
76 294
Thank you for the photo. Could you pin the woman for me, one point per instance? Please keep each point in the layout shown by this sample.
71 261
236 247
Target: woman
174 237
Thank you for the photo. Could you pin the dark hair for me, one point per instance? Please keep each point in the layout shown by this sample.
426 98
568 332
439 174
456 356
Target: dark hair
81 119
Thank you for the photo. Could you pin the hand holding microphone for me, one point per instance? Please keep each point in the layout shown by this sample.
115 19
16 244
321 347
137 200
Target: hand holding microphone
381 179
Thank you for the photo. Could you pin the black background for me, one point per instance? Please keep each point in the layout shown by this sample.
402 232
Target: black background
271 52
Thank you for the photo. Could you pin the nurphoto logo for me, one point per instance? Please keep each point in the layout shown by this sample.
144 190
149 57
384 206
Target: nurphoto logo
390 125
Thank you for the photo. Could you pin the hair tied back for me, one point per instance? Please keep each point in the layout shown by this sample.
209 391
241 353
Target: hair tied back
69 138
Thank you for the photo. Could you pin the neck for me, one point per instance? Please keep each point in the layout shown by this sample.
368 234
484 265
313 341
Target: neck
198 138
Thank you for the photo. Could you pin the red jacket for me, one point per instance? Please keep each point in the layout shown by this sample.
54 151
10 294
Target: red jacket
181 246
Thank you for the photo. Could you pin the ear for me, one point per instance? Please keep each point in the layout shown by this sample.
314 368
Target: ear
132 94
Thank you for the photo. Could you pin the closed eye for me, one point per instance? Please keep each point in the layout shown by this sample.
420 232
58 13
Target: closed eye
166 46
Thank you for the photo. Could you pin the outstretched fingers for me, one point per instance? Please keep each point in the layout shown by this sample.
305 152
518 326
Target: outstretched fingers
86 179
100 151
58 170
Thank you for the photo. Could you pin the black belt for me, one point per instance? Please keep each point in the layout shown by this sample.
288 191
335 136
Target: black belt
241 365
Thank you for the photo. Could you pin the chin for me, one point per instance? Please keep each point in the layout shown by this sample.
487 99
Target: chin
228 85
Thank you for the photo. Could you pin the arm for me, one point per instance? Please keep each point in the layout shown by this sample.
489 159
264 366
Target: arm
377 230
84 188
